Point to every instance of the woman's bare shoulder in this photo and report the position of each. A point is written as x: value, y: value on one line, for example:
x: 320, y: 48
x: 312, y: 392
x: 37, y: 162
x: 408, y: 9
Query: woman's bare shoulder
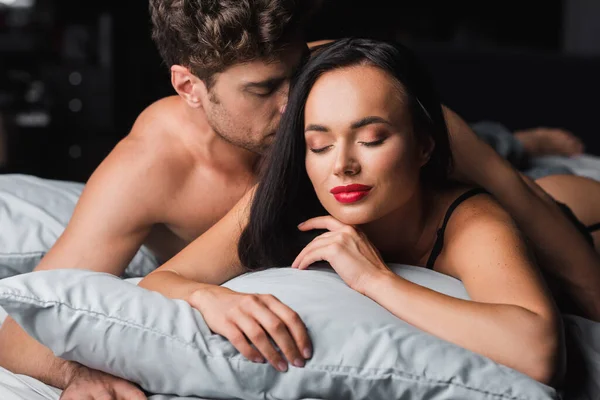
x: 477, y: 225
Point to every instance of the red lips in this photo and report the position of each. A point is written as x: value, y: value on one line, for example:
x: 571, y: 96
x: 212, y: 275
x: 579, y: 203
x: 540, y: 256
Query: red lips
x: 350, y: 188
x: 350, y: 193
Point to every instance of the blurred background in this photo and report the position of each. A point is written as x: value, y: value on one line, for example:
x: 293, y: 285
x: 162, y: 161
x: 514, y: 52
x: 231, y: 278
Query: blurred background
x: 75, y: 74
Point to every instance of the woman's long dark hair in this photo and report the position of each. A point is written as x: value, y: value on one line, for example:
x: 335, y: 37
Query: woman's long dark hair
x: 285, y: 196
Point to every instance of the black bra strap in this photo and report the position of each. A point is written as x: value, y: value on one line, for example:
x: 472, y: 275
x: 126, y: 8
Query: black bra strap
x: 593, y: 228
x: 439, y: 242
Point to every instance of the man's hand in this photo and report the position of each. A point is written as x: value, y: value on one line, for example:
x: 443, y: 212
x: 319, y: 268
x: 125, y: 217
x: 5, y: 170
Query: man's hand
x: 251, y: 321
x: 90, y: 384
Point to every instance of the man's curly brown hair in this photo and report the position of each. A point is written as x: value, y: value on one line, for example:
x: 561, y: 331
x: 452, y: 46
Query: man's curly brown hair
x: 208, y: 36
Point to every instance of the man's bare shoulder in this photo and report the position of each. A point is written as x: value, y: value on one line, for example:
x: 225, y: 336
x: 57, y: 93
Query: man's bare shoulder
x: 151, y: 161
x: 150, y: 156
x: 159, y: 117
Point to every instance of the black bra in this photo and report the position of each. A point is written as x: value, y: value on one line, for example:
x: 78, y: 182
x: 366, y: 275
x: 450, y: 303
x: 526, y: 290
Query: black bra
x: 439, y: 241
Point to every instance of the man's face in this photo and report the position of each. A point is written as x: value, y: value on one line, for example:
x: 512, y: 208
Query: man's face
x: 245, y: 102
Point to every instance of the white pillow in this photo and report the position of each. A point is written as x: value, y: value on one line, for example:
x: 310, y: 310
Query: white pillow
x: 360, y: 349
x: 33, y: 214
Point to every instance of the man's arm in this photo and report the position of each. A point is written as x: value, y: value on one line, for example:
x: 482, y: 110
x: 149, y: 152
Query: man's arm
x: 113, y: 216
x: 561, y: 249
x: 111, y: 219
x: 317, y: 43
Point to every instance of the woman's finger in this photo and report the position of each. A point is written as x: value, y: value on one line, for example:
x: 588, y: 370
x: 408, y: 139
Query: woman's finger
x: 255, y: 333
x: 324, y: 222
x: 316, y: 254
x: 294, y: 323
x: 239, y: 340
x: 317, y: 242
x: 284, y: 324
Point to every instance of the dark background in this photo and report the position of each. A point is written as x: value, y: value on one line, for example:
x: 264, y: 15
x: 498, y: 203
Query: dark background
x: 75, y: 74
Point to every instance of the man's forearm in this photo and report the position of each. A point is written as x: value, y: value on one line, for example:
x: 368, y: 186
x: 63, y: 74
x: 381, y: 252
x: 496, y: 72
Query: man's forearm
x: 560, y: 247
x: 21, y: 354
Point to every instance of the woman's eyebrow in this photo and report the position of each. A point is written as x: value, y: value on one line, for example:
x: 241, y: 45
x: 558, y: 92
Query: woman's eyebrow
x: 315, y: 127
x: 355, y: 125
x: 368, y: 121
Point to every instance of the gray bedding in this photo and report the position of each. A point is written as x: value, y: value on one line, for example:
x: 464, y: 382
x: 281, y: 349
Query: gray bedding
x: 20, y: 387
x: 583, y: 336
x: 583, y: 370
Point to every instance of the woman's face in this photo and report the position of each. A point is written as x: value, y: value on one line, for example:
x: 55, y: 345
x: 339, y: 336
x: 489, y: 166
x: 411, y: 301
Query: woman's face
x: 361, y: 154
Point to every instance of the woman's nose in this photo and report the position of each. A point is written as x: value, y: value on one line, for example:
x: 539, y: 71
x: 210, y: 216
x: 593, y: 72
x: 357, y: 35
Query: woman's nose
x: 346, y: 164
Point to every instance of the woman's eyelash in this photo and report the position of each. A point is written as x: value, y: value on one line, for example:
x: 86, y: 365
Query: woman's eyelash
x: 320, y: 150
x: 367, y: 144
x: 374, y: 143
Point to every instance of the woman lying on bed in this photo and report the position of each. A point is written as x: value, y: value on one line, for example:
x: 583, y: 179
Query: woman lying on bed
x: 358, y: 177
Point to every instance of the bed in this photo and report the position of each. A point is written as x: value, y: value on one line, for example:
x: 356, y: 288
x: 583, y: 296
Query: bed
x: 583, y: 336
x: 21, y: 387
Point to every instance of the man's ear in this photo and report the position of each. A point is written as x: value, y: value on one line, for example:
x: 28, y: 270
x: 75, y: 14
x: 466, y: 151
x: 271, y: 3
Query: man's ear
x: 188, y: 86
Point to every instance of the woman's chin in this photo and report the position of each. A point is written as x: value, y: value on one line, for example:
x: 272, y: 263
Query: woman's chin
x: 353, y: 217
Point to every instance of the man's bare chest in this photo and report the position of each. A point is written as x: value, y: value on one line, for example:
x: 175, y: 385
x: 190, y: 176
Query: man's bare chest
x: 192, y: 211
x: 201, y: 209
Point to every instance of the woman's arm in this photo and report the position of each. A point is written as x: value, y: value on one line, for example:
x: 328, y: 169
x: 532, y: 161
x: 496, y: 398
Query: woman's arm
x: 511, y: 318
x: 560, y: 248
x: 212, y: 259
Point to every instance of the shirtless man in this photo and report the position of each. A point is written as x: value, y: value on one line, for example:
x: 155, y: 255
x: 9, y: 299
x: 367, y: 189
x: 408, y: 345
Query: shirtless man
x: 186, y: 163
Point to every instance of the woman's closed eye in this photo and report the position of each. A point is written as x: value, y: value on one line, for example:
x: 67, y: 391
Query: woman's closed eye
x: 373, y: 143
x: 319, y: 149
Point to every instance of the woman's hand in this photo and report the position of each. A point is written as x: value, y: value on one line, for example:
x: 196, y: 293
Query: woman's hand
x: 251, y: 321
x: 346, y: 249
